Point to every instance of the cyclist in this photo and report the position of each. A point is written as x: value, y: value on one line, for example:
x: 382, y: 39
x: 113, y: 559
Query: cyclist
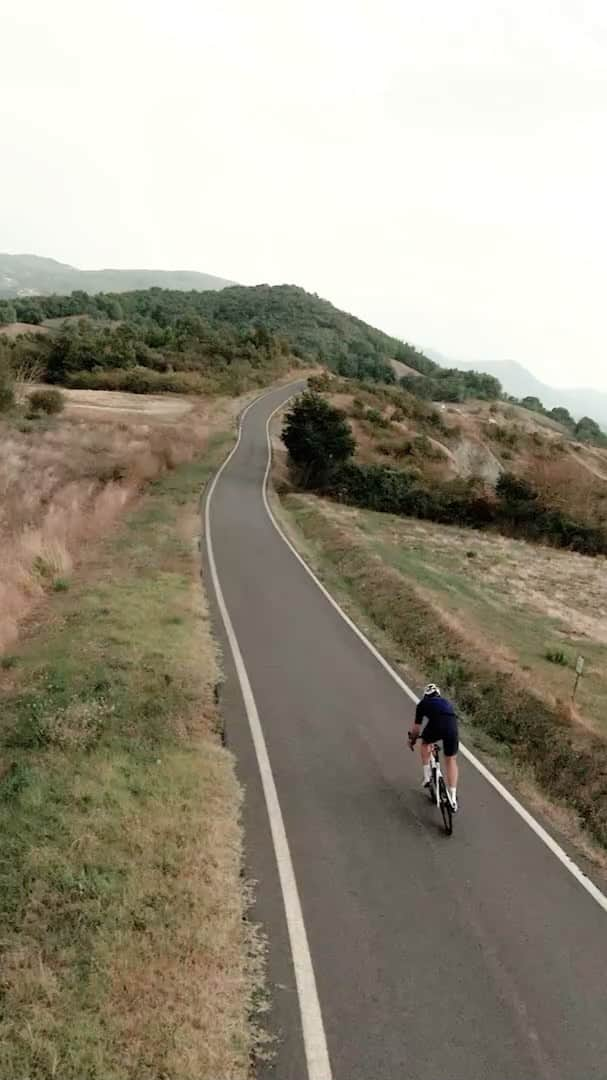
x: 436, y: 721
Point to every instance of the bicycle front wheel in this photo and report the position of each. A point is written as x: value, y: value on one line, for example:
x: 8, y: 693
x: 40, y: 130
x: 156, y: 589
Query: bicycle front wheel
x: 445, y: 808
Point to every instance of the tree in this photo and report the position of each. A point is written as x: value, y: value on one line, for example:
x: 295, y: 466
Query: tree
x: 587, y: 430
x: 30, y: 313
x: 451, y: 384
x: 562, y: 416
x: 514, y: 489
x: 318, y: 439
x: 8, y: 313
x: 532, y: 403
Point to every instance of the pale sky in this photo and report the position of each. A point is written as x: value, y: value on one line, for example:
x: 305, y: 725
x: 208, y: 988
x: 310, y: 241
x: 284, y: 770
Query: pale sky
x: 438, y: 167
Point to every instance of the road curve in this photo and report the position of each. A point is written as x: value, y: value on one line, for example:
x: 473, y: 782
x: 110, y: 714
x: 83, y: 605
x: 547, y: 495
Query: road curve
x: 474, y: 958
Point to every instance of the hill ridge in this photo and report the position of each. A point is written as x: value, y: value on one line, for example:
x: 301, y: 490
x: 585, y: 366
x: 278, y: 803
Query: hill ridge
x: 24, y: 274
x: 516, y: 379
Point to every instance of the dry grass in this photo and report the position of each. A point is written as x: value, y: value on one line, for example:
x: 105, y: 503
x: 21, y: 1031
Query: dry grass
x: 510, y: 601
x: 573, y: 482
x: 482, y: 439
x: 65, y: 482
x: 126, y: 953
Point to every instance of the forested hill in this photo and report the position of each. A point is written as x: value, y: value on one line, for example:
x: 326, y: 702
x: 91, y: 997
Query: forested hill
x: 314, y: 328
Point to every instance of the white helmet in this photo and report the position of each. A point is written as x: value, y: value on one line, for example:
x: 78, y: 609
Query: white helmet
x: 432, y: 690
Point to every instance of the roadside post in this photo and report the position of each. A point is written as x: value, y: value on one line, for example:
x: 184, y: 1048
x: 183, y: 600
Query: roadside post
x: 579, y: 671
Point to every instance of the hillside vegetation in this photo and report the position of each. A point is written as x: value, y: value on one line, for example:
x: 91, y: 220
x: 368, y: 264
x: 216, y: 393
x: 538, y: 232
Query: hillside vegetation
x: 482, y: 465
x: 217, y: 341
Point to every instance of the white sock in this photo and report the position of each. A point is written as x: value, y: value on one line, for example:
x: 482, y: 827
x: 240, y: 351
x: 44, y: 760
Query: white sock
x: 427, y: 772
x: 453, y: 794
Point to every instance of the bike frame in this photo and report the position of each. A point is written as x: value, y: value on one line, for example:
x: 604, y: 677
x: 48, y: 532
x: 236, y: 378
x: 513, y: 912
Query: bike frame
x: 436, y: 775
x: 438, y: 791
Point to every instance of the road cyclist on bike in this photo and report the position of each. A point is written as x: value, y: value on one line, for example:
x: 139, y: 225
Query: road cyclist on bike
x: 436, y: 721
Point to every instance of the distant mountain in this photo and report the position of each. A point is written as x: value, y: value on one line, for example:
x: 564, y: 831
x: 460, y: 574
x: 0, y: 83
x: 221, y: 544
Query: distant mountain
x: 516, y: 380
x: 32, y: 275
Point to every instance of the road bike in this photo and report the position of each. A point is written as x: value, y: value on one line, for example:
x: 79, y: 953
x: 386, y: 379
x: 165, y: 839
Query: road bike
x: 437, y: 788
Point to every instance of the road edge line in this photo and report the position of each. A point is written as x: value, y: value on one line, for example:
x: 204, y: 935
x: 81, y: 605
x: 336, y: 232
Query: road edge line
x: 314, y: 1038
x: 512, y: 801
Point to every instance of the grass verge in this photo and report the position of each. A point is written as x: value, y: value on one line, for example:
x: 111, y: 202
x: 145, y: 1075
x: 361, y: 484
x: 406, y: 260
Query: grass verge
x: 568, y: 763
x: 126, y: 953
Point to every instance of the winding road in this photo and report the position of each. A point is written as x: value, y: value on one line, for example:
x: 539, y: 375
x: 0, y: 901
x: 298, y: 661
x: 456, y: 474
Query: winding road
x: 395, y: 953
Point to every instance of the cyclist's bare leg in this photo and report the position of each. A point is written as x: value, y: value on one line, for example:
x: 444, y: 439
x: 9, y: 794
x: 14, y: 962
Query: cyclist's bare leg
x: 451, y: 771
x: 426, y: 752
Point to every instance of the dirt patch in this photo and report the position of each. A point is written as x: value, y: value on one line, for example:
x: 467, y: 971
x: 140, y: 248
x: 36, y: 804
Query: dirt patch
x: 112, y: 401
x: 403, y: 370
x: 473, y: 458
x: 13, y: 330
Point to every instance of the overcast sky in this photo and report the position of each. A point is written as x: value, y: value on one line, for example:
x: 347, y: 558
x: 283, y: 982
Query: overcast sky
x: 437, y: 167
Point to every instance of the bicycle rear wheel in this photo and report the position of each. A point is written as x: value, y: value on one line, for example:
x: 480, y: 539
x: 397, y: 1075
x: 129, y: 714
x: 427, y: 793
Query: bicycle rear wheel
x: 445, y: 808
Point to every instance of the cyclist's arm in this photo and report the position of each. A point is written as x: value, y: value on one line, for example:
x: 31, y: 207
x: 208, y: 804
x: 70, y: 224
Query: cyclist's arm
x: 419, y: 719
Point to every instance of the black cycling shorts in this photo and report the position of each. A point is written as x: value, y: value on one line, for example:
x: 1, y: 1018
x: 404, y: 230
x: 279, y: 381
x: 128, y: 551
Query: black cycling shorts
x: 442, y: 729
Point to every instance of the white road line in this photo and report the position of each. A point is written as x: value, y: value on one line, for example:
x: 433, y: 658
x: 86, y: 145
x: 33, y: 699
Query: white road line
x: 315, y: 1043
x: 528, y: 818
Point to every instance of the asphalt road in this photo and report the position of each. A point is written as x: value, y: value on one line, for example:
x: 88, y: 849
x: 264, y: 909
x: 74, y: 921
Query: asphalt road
x: 472, y: 958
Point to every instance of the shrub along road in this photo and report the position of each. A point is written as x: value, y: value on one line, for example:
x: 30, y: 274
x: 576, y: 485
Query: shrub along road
x: 475, y: 957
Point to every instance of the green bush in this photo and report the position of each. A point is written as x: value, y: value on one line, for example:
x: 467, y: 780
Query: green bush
x: 7, y: 397
x: 7, y: 390
x: 319, y: 383
x: 516, y: 509
x: 507, y: 436
x: 139, y: 381
x: 556, y: 656
x: 374, y: 417
x: 49, y: 401
x: 451, y: 384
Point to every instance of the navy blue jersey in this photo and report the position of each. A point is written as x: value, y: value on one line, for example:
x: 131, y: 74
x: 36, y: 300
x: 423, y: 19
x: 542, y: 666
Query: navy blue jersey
x: 433, y: 708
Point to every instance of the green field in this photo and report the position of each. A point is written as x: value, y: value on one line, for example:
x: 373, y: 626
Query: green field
x: 517, y: 604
